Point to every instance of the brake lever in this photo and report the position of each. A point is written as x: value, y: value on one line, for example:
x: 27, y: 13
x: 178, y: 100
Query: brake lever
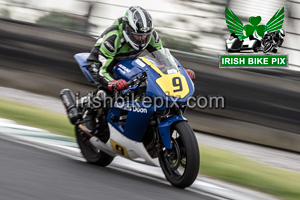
x: 129, y: 89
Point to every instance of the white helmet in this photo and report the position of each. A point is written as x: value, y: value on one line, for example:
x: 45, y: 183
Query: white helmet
x: 137, y: 27
x: 281, y: 33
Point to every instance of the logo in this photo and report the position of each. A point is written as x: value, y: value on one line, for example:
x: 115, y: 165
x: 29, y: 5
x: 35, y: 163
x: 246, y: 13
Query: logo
x: 263, y: 40
x: 140, y: 63
x: 123, y: 69
x: 129, y: 107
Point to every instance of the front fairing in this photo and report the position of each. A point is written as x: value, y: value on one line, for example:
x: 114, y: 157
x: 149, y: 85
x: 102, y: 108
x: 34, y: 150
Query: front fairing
x: 162, y: 86
x: 174, y: 86
x: 171, y: 84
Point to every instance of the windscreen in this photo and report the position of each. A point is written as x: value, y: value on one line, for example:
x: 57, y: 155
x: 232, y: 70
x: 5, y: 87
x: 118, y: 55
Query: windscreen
x: 163, y: 60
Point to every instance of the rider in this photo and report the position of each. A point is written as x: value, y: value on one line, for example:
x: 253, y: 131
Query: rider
x: 274, y: 38
x: 127, y: 38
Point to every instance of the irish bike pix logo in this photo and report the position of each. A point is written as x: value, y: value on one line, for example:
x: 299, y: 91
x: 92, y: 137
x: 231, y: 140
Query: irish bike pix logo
x: 254, y: 45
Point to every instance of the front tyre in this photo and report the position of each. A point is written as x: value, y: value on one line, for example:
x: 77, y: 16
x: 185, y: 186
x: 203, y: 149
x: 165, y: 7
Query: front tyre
x: 92, y: 154
x: 181, y: 163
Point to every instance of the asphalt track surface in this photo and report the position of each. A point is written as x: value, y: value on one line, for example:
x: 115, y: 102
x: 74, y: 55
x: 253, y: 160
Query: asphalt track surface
x: 28, y: 173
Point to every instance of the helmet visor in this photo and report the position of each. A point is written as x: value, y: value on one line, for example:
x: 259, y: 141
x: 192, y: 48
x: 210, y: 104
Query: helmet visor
x: 140, y: 39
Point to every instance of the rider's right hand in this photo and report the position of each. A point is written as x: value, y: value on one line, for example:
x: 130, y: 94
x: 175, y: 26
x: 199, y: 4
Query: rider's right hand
x: 117, y: 84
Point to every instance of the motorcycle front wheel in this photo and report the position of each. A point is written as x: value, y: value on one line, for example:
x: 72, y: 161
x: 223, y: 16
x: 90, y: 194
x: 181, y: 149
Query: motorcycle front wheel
x: 92, y: 154
x: 181, y: 164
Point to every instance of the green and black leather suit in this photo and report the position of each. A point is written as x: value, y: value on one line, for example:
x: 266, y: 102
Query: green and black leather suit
x: 111, y: 48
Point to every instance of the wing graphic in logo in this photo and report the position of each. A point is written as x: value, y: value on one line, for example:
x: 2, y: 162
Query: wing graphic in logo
x: 234, y: 24
x: 276, y: 22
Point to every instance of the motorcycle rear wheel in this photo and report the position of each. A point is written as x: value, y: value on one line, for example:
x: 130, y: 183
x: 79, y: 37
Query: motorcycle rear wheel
x: 92, y: 154
x: 181, y: 164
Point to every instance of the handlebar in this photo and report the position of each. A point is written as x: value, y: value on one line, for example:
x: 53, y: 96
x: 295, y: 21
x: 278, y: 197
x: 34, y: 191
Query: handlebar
x: 136, y: 81
x: 130, y: 82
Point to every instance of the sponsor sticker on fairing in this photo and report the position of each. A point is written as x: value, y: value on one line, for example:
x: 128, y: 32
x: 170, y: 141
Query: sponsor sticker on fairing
x: 140, y: 63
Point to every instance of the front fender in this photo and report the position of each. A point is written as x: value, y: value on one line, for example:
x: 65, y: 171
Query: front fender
x: 164, y: 129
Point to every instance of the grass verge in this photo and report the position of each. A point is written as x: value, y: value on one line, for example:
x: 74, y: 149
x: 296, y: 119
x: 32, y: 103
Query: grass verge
x: 216, y: 163
x: 239, y: 170
x: 36, y: 117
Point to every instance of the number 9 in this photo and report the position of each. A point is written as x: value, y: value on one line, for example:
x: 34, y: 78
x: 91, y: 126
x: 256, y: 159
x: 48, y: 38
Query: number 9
x: 177, y: 83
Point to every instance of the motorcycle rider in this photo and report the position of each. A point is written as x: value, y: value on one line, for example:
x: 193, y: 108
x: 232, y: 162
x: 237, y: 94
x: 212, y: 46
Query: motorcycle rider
x: 127, y: 38
x: 272, y: 40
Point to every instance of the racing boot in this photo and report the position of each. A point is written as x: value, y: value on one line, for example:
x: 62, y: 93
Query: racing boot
x: 89, y: 122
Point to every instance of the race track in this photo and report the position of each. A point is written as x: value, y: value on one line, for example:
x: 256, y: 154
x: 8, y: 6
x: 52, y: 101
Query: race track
x: 28, y: 173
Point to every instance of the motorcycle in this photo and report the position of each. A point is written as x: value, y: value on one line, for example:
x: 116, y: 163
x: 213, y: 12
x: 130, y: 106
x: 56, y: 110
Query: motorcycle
x: 141, y: 130
x: 271, y: 41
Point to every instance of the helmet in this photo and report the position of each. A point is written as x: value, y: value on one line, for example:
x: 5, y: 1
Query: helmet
x: 281, y: 33
x: 137, y: 27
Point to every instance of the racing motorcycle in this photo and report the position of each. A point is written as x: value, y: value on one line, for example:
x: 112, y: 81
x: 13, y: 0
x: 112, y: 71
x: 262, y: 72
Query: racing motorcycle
x: 141, y: 130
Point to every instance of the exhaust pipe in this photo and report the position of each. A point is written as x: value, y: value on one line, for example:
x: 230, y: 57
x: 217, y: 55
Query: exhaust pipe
x: 68, y: 100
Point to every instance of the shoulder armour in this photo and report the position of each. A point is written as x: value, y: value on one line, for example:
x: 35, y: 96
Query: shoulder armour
x: 109, y: 43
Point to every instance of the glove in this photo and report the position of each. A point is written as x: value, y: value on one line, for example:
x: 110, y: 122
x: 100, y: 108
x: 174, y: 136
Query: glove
x: 191, y: 73
x: 118, y: 85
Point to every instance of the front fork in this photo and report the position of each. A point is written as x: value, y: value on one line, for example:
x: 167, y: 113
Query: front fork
x: 164, y: 129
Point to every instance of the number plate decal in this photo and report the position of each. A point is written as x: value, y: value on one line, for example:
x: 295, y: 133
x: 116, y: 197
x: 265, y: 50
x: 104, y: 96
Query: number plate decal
x: 174, y: 85
x: 119, y: 149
